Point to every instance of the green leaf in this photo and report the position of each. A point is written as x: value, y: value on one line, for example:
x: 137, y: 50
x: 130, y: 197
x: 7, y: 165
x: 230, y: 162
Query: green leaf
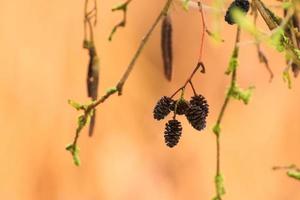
x: 287, y: 78
x: 121, y: 6
x: 90, y: 115
x: 111, y: 90
x: 233, y: 62
x: 279, y: 40
x: 81, y: 122
x: 294, y: 174
x: 75, y: 105
x: 241, y: 94
x: 220, y: 189
x: 286, y: 5
x: 74, y: 150
x: 69, y: 147
x: 217, y: 129
x: 76, y: 158
x: 185, y: 5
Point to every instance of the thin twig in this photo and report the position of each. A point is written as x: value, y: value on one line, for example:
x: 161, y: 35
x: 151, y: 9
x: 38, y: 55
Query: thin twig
x: 203, y: 31
x: 88, y: 15
x: 122, y: 7
x: 200, y: 63
x: 261, y: 56
x: 286, y: 167
x: 193, y: 88
x: 189, y: 79
x: 205, y: 7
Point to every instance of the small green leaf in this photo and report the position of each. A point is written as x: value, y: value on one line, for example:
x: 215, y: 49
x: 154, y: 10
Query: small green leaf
x: 74, y: 150
x: 111, y: 90
x: 76, y: 158
x: 220, y: 189
x: 82, y: 120
x: 294, y: 174
x: 185, y: 5
x: 287, y: 78
x: 220, y: 184
x: 217, y: 129
x: 75, y: 105
x: 121, y: 6
x: 69, y: 147
x: 279, y: 40
x: 241, y: 94
x: 90, y: 115
x: 286, y: 5
x: 233, y: 62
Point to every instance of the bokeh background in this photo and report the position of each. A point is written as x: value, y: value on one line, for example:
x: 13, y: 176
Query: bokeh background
x: 43, y: 65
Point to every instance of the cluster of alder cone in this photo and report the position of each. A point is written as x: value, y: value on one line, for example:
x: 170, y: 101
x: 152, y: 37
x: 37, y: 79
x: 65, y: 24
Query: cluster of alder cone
x: 195, y: 110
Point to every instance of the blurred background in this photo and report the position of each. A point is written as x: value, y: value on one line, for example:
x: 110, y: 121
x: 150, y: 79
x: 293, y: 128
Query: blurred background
x: 43, y: 65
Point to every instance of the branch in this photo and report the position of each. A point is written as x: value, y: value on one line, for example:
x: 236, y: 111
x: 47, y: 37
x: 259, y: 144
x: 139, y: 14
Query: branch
x: 90, y: 108
x: 220, y: 191
x: 292, y: 171
x: 194, y: 5
x: 122, y: 7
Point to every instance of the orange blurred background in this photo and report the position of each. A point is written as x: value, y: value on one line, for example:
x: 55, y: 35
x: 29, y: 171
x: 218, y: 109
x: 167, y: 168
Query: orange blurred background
x: 43, y: 65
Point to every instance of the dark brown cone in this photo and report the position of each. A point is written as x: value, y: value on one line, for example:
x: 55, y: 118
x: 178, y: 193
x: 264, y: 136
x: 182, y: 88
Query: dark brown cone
x: 182, y: 106
x: 172, y: 132
x: 162, y: 108
x: 197, y: 117
x: 200, y: 100
x: 197, y: 112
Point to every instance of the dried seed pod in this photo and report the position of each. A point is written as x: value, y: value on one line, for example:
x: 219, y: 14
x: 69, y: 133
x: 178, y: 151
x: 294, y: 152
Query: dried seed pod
x: 182, y: 106
x: 166, y: 46
x: 242, y: 5
x: 162, y: 108
x: 197, y: 112
x: 172, y: 132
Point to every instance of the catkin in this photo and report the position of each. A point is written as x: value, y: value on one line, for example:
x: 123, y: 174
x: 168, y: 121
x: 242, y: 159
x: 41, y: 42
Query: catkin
x: 93, y: 82
x: 166, y: 46
x: 93, y: 74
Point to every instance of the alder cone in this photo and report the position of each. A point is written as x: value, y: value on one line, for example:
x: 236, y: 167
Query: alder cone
x: 182, y: 106
x: 197, y: 117
x: 197, y: 113
x: 173, y: 132
x: 162, y: 108
x: 200, y: 100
